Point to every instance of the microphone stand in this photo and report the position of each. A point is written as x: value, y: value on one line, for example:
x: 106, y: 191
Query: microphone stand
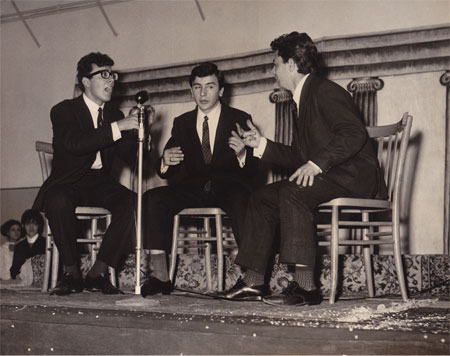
x: 141, y: 97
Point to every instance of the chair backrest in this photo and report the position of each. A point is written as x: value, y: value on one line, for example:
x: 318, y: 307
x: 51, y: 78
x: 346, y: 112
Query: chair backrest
x: 391, y: 143
x: 45, y: 152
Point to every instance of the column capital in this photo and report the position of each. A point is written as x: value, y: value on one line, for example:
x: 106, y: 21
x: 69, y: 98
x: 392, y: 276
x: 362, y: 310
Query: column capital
x: 280, y: 95
x: 445, y: 79
x: 365, y: 84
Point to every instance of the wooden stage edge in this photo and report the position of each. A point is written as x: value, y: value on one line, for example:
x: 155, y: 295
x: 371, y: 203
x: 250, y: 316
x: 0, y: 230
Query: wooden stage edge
x: 64, y: 328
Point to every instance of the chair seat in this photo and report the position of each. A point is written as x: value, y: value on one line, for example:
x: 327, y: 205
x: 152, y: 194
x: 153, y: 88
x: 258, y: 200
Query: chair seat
x: 202, y: 211
x: 92, y: 211
x: 358, y: 203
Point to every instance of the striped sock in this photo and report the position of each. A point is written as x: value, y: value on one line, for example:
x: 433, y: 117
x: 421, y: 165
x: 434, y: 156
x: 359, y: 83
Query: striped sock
x: 159, y: 264
x: 252, y: 278
x: 304, y: 276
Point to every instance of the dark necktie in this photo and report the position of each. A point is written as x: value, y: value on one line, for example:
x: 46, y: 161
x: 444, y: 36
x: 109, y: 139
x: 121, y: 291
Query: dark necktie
x: 206, y: 146
x: 100, y: 117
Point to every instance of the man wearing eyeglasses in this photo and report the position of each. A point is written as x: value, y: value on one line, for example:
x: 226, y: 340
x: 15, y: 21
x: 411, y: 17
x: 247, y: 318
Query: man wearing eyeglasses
x: 88, y: 133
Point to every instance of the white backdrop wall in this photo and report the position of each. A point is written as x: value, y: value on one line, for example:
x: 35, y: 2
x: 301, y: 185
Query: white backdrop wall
x: 155, y: 33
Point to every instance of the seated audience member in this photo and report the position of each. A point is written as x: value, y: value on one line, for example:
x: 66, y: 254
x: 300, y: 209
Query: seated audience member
x: 32, y: 245
x: 12, y: 234
x: 209, y: 168
x: 89, y: 134
x: 330, y: 156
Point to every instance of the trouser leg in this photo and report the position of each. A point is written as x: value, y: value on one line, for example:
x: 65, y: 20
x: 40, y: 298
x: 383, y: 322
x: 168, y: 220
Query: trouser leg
x: 120, y: 236
x: 159, y: 207
x: 234, y: 202
x: 60, y: 202
x: 262, y: 217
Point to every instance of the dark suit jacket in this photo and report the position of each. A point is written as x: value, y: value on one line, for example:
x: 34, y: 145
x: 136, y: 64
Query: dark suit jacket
x: 330, y: 133
x: 224, y: 167
x: 76, y: 142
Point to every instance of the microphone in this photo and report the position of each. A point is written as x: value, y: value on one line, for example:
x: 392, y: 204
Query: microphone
x: 141, y: 97
x: 146, y: 115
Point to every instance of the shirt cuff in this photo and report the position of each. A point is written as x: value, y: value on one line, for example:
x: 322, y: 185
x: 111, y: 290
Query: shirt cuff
x: 164, y: 168
x: 242, y: 160
x: 315, y: 165
x: 259, y: 151
x: 115, y: 131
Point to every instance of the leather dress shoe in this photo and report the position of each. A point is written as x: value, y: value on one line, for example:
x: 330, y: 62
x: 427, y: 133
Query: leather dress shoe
x: 68, y: 285
x: 293, y: 294
x: 242, y: 291
x: 155, y: 286
x: 101, y: 283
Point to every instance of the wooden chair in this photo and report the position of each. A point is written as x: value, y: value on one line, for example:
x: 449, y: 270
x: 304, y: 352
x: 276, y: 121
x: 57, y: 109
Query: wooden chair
x: 201, y: 239
x: 94, y: 238
x: 378, y: 220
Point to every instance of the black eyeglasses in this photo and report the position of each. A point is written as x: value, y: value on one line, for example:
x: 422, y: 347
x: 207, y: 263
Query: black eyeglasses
x: 106, y: 74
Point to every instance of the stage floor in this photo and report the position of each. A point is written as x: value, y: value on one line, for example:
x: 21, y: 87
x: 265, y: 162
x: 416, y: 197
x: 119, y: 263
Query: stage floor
x: 183, y: 323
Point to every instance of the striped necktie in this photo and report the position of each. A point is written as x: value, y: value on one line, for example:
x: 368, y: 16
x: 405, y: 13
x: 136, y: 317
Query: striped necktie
x: 206, y: 146
x: 100, y: 117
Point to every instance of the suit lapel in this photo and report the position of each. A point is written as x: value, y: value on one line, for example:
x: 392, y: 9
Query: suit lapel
x: 83, y: 114
x: 222, y: 132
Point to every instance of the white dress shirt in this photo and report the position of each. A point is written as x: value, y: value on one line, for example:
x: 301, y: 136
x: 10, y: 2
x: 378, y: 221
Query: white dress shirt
x: 93, y: 109
x: 213, y: 122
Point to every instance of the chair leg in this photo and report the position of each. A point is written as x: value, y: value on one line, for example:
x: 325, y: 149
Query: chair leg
x: 112, y: 271
x: 398, y: 255
x: 207, y: 229
x: 219, y: 233
x: 93, y: 247
x: 48, y: 257
x: 112, y: 276
x: 173, y: 254
x: 55, y: 265
x: 208, y: 266
x: 334, y: 252
x: 368, y: 259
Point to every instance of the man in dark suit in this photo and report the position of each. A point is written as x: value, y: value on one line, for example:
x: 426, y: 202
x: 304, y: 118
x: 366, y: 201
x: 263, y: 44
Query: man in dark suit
x: 205, y: 167
x: 88, y: 133
x: 330, y: 157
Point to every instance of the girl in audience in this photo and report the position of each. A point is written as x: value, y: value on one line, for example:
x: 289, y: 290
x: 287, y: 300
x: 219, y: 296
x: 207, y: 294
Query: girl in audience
x: 11, y: 234
x: 32, y: 245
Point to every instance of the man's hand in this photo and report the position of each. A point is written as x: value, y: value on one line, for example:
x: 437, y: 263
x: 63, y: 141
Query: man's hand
x: 129, y: 123
x: 252, y: 137
x: 305, y: 174
x: 237, y: 144
x: 173, y: 156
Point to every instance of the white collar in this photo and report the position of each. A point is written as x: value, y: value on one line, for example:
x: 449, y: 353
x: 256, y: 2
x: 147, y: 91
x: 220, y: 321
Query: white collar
x: 298, y: 90
x: 93, y: 106
x: 213, y: 115
x: 31, y: 240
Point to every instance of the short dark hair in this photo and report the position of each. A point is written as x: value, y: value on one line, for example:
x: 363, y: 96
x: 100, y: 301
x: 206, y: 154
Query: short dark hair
x: 32, y: 215
x: 84, y: 66
x: 7, y: 225
x: 205, y: 69
x: 300, y: 48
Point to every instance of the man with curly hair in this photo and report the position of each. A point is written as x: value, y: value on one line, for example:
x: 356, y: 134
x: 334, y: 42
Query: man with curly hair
x: 330, y: 156
x: 88, y: 134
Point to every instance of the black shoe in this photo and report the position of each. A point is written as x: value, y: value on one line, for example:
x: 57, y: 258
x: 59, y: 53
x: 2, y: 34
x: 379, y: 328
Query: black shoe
x: 155, y: 286
x: 100, y: 283
x: 242, y: 291
x: 68, y: 285
x: 293, y: 294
